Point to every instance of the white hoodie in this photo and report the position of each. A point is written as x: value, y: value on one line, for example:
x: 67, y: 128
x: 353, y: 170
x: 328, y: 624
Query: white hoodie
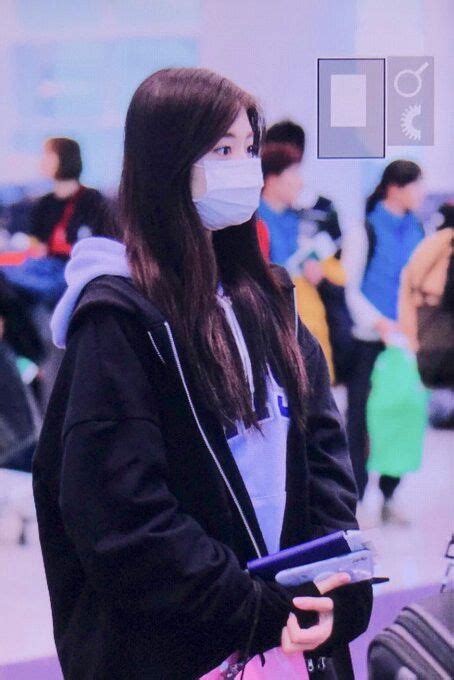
x: 91, y: 257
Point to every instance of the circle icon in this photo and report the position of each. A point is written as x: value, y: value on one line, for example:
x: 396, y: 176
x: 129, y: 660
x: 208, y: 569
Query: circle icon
x: 406, y: 74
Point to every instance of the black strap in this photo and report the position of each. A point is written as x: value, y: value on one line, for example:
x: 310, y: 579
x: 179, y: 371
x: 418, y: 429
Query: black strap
x: 258, y: 590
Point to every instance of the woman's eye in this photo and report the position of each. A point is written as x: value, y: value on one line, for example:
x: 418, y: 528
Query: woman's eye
x: 223, y: 150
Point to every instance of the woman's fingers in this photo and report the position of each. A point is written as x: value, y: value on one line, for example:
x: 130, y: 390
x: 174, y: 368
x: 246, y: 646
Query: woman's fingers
x: 288, y: 647
x: 312, y: 636
x: 316, y: 604
x: 332, y: 582
x: 296, y: 639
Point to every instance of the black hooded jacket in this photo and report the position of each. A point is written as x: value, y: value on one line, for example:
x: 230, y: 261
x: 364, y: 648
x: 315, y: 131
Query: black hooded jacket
x: 145, y: 522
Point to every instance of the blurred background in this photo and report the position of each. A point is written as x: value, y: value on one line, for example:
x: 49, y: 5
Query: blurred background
x: 68, y: 70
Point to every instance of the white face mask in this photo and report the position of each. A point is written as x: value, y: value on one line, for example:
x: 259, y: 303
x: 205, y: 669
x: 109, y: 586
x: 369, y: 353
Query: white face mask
x: 232, y: 192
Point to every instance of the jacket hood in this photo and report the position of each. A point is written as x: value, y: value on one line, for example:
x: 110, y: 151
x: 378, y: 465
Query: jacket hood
x: 90, y: 258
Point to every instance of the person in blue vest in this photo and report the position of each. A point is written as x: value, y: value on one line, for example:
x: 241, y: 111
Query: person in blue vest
x: 374, y: 257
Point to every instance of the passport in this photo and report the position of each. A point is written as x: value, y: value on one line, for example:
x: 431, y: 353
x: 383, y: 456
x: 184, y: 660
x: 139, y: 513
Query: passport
x: 324, y: 548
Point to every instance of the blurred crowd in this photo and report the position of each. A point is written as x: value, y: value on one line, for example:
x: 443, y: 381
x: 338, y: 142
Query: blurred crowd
x: 35, y: 243
x: 379, y: 297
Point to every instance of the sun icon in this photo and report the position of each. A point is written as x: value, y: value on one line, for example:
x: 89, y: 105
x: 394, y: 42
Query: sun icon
x: 406, y: 122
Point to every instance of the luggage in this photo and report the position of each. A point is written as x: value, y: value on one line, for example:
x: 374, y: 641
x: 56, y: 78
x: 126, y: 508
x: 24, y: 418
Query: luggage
x: 418, y: 645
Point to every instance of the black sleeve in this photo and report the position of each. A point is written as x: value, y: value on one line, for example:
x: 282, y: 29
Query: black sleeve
x: 340, y: 327
x: 137, y: 547
x: 337, y: 314
x: 332, y: 488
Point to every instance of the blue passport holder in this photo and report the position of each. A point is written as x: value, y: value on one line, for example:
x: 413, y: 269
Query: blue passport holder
x: 324, y: 548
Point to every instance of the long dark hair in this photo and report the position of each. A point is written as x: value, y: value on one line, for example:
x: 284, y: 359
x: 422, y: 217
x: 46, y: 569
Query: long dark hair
x: 175, y: 117
x: 399, y: 173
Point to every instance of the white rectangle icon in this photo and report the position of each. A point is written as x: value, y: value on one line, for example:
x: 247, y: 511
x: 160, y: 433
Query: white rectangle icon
x: 348, y: 100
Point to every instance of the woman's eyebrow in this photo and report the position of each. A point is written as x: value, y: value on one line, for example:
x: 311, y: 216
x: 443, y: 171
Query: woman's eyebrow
x: 231, y: 135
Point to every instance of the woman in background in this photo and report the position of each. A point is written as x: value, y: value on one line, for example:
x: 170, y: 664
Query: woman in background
x: 59, y: 219
x: 71, y: 211
x: 374, y: 257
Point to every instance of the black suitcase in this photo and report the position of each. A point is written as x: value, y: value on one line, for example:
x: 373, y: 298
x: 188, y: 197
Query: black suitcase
x: 418, y: 645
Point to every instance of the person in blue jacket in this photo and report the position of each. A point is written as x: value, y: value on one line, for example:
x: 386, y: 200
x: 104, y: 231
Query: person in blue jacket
x: 374, y: 257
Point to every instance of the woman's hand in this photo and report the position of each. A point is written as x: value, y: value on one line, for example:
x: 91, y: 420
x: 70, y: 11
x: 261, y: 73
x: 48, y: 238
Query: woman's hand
x: 313, y: 272
x: 385, y: 328
x: 297, y: 639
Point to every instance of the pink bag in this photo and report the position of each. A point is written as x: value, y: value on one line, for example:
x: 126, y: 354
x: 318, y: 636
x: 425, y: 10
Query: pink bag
x: 277, y: 666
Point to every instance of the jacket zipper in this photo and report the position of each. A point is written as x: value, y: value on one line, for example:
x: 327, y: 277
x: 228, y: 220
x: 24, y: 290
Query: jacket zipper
x: 207, y: 443
x: 156, y: 348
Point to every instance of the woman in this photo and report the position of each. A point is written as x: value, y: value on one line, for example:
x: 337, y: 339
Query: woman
x: 181, y: 405
x: 59, y: 219
x: 71, y: 211
x: 374, y: 258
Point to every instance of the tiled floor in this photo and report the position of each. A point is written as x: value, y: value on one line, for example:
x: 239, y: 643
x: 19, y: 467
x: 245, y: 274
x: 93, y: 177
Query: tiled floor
x: 411, y: 556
